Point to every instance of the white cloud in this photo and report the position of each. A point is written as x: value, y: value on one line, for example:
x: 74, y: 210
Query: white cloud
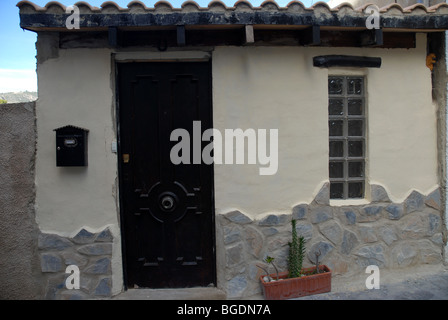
x: 12, y: 80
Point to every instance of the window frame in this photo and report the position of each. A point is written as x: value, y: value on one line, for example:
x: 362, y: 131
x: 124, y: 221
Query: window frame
x: 346, y: 139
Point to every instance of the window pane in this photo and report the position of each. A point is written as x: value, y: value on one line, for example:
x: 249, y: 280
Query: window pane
x: 336, y: 107
x: 335, y: 85
x: 355, y: 190
x: 336, y: 127
x: 356, y: 169
x: 354, y: 86
x: 355, y: 106
x: 336, y: 190
x: 336, y: 148
x: 336, y: 169
x: 355, y: 128
x: 355, y: 148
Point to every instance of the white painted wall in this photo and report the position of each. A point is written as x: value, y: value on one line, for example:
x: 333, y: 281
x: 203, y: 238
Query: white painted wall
x: 76, y: 89
x: 268, y: 87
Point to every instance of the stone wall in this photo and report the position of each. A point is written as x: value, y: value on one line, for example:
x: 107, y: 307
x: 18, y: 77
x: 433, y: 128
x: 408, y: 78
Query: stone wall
x: 90, y: 252
x: 19, y: 272
x: 383, y: 233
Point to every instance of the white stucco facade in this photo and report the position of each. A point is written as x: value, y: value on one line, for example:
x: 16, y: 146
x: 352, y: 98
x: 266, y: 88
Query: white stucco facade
x: 279, y: 88
x: 253, y: 87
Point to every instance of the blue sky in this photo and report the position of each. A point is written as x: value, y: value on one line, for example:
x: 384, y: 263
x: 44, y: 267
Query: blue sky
x: 17, y: 47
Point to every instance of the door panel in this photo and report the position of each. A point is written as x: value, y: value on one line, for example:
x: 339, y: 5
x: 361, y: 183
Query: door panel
x: 167, y: 209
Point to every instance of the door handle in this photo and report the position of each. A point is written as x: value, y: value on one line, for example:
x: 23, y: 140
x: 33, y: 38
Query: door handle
x: 125, y: 157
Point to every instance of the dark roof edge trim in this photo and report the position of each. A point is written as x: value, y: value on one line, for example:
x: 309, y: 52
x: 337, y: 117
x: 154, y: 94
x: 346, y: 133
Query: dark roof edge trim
x: 41, y: 21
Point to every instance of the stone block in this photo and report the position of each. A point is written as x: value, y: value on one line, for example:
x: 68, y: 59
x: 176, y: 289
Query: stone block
x: 99, y: 266
x: 437, y: 239
x: 48, y: 241
x: 269, y: 231
x: 88, y: 282
x: 404, y: 254
x: 237, y: 217
x: 434, y: 224
x: 413, y: 227
x: 378, y: 193
x: 349, y: 242
x: 304, y: 229
x: 274, y: 220
x: 433, y: 199
x: 234, y: 255
x: 323, y: 196
x: 84, y: 236
x: 350, y: 217
x: 395, y: 211
x: 337, y: 265
x: 370, y: 213
x: 236, y: 286
x: 72, y: 295
x: 320, y: 214
x: 388, y: 234
x: 55, y: 283
x: 429, y: 253
x: 367, y: 234
x: 74, y: 258
x: 104, y: 287
x: 332, y: 231
x: 96, y: 249
x: 300, y: 212
x: 371, y: 255
x: 105, y: 236
x: 231, y: 234
x: 51, y: 262
x: 254, y: 240
x: 322, y: 248
x: 414, y: 202
x: 277, y: 243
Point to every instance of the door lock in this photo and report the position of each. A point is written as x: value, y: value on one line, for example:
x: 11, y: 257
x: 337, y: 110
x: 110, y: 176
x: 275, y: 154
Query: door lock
x: 125, y: 157
x: 168, y: 201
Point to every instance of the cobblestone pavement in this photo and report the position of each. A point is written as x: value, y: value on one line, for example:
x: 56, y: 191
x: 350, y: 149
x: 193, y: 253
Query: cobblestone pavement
x: 428, y: 287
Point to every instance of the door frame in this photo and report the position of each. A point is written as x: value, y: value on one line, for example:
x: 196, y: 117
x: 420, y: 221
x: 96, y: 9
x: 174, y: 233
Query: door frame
x: 148, y: 57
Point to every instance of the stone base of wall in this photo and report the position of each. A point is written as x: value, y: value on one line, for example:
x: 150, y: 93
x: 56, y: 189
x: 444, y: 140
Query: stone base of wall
x: 90, y: 252
x: 389, y: 235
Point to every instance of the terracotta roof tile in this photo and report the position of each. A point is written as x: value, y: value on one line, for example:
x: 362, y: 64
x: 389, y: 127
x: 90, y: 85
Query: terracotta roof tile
x: 393, y: 15
x: 267, y: 4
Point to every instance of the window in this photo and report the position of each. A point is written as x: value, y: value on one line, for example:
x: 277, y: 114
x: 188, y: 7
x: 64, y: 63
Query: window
x: 346, y: 122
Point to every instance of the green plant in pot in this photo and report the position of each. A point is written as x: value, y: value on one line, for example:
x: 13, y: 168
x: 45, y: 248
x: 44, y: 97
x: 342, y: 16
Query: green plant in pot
x: 296, y: 281
x: 297, y: 253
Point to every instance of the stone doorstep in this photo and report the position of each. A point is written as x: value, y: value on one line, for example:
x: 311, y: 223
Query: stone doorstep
x: 172, y: 294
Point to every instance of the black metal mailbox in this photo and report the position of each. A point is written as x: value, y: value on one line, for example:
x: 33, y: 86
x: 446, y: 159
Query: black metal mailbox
x: 71, y: 146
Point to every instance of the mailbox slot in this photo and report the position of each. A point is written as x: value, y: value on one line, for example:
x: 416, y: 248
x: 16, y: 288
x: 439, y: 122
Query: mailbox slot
x: 71, y: 146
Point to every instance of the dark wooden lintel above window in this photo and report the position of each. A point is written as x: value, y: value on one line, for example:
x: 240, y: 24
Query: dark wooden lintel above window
x: 346, y: 61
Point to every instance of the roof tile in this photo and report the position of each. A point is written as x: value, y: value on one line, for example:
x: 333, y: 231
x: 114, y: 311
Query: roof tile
x: 266, y: 5
x: 393, y: 15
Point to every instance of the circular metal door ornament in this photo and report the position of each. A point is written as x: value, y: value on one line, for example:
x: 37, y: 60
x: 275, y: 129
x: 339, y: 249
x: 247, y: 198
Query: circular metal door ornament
x: 167, y: 201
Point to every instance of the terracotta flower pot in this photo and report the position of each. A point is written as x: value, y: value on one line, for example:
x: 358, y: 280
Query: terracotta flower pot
x: 288, y: 288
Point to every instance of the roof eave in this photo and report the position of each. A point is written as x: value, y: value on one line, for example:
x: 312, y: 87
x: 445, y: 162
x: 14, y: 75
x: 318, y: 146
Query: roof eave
x: 50, y: 21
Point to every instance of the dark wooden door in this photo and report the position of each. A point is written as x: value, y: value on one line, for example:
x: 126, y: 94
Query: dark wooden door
x: 167, y: 210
